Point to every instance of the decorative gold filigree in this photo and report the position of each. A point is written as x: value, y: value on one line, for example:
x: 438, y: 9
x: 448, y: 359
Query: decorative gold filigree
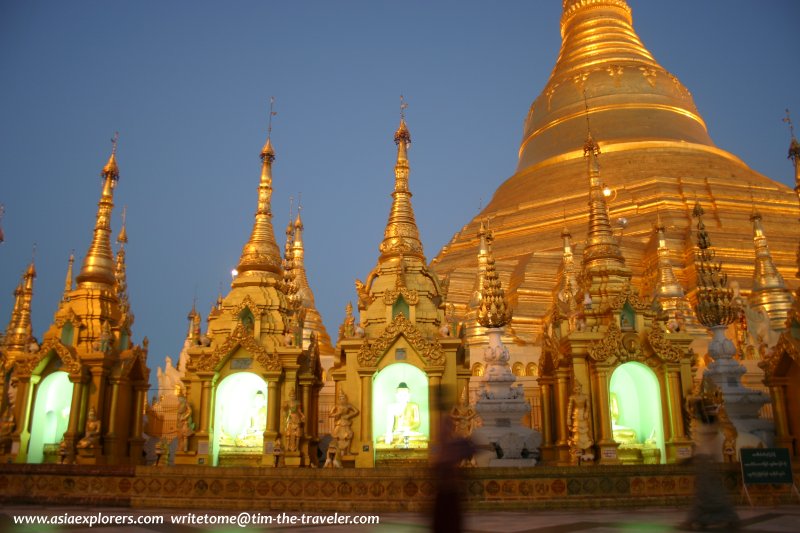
x: 626, y: 294
x: 239, y: 337
x: 661, y: 346
x: 69, y: 316
x: 67, y: 354
x: 715, y: 306
x: 248, y: 303
x: 649, y: 75
x: 615, y: 70
x: 430, y: 351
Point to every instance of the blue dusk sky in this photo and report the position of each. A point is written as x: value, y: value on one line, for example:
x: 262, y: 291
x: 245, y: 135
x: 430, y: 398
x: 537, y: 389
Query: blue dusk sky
x: 187, y: 85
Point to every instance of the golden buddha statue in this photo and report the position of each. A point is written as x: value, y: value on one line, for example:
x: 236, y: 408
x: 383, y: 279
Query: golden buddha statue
x: 622, y: 434
x: 402, y: 420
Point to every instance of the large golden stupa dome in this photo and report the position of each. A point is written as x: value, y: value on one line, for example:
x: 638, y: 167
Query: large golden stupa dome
x: 656, y: 159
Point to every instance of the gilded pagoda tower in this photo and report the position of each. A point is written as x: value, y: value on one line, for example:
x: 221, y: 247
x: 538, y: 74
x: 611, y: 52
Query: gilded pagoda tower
x: 658, y: 157
x: 80, y: 395
x: 251, y: 386
x: 613, y: 377
x: 402, y: 352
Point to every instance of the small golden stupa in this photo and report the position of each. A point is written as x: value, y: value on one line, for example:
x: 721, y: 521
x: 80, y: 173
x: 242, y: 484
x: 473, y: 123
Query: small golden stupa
x: 401, y: 354
x: 252, y: 381
x: 80, y: 395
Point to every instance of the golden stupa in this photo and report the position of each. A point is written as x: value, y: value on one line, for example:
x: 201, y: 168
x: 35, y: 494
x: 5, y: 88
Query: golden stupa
x: 658, y: 159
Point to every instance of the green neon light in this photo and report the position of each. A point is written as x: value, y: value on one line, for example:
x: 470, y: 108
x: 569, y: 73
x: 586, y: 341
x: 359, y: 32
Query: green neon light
x: 635, y: 403
x: 50, y: 414
x: 240, y: 414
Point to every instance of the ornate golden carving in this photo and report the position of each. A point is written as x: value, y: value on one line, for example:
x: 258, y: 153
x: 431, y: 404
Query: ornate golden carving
x: 649, y: 75
x: 69, y: 316
x: 430, y: 351
x: 26, y: 366
x: 248, y: 303
x: 615, y: 71
x: 616, y: 347
x: 715, y: 305
x: 661, y: 346
x: 240, y: 336
x: 627, y: 295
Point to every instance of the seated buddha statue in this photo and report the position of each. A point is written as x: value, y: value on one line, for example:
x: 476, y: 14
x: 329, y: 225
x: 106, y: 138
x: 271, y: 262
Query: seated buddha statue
x: 402, y: 420
x: 622, y: 434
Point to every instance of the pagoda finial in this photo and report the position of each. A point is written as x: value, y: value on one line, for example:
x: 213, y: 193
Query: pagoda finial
x: 122, y: 238
x: 401, y: 235
x: 98, y: 265
x: 194, y: 318
x: 567, y: 286
x: 493, y: 311
x: 298, y: 229
x: 267, y: 152
x: 260, y: 253
x: 714, y: 299
x: 19, y: 331
x: 2, y: 211
x: 121, y: 276
x: 289, y: 274
x: 766, y: 274
x: 68, y: 280
x: 667, y: 285
x: 601, y: 244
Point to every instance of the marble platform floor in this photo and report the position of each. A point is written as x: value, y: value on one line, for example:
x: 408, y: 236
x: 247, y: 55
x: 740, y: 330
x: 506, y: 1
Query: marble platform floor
x: 754, y: 519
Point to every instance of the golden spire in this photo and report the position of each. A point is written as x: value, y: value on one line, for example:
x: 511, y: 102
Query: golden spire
x: 401, y: 236
x: 289, y: 274
x: 714, y: 298
x: 298, y: 262
x: 493, y: 311
x: 260, y: 253
x: 313, y: 320
x: 769, y: 289
x: 120, y: 275
x: 191, y: 317
x: 568, y: 282
x: 68, y: 280
x: 601, y: 245
x: 98, y: 265
x: 766, y: 275
x: 2, y: 211
x: 19, y: 329
x: 484, y: 241
x: 667, y: 285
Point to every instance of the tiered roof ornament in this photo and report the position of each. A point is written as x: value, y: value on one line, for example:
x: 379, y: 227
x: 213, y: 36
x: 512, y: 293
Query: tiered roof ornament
x: 19, y: 331
x: 769, y: 288
x: 493, y: 311
x: 601, y: 244
x: 68, y: 280
x: 667, y: 285
x: 121, y: 278
x: 260, y: 254
x: 98, y: 265
x: 715, y: 305
x: 401, y: 236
